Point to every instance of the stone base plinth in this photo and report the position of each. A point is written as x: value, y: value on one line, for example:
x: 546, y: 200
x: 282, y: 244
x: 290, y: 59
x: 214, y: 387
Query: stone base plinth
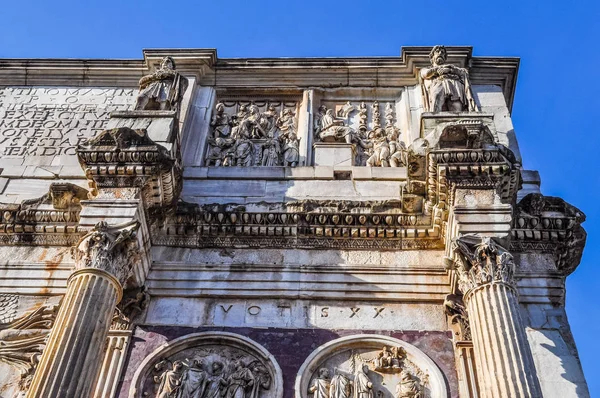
x: 334, y: 154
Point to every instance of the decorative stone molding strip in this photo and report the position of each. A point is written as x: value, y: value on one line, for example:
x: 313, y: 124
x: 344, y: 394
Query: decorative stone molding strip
x: 551, y: 225
x: 316, y: 228
x: 49, y: 220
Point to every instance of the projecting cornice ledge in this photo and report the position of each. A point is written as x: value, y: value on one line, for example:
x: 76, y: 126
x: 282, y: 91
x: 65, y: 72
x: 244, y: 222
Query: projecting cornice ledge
x: 204, y: 65
x: 549, y: 224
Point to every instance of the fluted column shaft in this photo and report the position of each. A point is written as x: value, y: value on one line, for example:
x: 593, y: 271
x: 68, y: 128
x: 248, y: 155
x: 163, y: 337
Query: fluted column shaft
x: 502, y: 354
x: 504, y: 361
x: 75, y: 347
x: 75, y: 350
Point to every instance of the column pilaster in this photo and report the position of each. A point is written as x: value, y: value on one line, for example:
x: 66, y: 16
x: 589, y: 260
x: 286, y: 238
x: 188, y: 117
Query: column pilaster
x: 504, y: 360
x: 75, y: 348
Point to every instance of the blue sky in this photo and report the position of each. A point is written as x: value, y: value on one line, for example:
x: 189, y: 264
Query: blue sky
x: 557, y: 98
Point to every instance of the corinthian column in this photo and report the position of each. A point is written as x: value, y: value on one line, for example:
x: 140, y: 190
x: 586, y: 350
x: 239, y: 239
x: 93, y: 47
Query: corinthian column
x: 74, y: 352
x: 504, y: 361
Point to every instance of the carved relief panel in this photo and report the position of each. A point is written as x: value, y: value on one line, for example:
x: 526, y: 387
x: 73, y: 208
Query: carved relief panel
x: 369, y: 366
x: 257, y: 132
x: 370, y: 125
x: 209, y: 365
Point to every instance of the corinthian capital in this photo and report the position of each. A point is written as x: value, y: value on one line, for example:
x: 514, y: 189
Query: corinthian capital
x: 481, y: 260
x: 109, y: 248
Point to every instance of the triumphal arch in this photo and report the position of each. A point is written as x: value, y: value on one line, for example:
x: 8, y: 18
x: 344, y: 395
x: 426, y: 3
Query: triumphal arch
x: 189, y: 226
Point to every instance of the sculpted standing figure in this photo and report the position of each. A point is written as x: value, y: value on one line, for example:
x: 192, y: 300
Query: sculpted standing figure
x: 194, y: 381
x: 363, y: 387
x: 163, y: 89
x: 238, y: 381
x: 447, y: 87
x: 170, y: 381
x: 341, y: 386
x: 320, y: 385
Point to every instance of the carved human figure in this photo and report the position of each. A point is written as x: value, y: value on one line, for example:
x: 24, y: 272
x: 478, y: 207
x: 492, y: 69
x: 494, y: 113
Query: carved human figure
x: 447, y: 87
x: 363, y: 387
x: 321, y: 384
x: 194, y: 381
x: 271, y: 150
x: 262, y: 379
x: 380, y: 149
x: 341, y: 386
x: 216, y: 383
x: 163, y: 89
x: 408, y: 387
x: 244, y: 150
x: 239, y: 381
x: 333, y: 129
x: 170, y: 381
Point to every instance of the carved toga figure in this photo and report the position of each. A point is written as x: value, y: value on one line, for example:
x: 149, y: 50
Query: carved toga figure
x: 447, y: 87
x: 163, y: 89
x: 363, y: 387
x: 320, y: 385
x: 238, y: 381
x: 341, y: 386
x: 170, y: 381
x: 194, y: 381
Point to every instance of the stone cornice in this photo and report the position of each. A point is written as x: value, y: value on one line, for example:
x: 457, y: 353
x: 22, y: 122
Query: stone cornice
x: 551, y: 225
x: 204, y: 64
x: 52, y: 219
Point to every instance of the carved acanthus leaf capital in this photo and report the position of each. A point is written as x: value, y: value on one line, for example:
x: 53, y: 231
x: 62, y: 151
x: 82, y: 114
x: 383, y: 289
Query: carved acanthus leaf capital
x: 109, y: 248
x: 481, y: 260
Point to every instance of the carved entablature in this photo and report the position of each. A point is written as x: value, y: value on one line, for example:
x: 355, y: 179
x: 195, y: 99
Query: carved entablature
x: 369, y: 366
x: 258, y: 132
x: 49, y: 220
x: 22, y: 340
x: 209, y: 365
x: 551, y: 225
x: 112, y: 249
x: 127, y: 158
x: 388, y: 225
x: 480, y: 261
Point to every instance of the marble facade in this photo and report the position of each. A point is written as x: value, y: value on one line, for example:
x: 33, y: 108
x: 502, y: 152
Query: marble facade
x: 188, y: 226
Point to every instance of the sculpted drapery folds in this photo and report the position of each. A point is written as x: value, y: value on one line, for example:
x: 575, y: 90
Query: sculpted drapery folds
x: 321, y: 385
x: 482, y: 261
x: 23, y: 341
x: 163, y: 89
x: 447, y: 87
x: 108, y: 248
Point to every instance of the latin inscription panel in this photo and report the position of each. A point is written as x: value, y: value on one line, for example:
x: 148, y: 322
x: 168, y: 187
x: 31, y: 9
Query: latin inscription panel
x: 43, y: 125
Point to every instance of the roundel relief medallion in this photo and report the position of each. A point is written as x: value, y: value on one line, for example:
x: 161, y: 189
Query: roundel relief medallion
x: 209, y: 365
x: 369, y: 366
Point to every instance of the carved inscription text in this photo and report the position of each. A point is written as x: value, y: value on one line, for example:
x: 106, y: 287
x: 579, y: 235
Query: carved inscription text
x: 48, y: 121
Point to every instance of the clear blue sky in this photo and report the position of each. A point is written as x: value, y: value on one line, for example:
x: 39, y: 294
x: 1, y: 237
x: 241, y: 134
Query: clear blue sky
x: 556, y: 104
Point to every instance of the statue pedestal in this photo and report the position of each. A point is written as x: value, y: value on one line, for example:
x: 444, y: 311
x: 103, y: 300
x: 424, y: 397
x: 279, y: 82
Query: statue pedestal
x: 334, y: 154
